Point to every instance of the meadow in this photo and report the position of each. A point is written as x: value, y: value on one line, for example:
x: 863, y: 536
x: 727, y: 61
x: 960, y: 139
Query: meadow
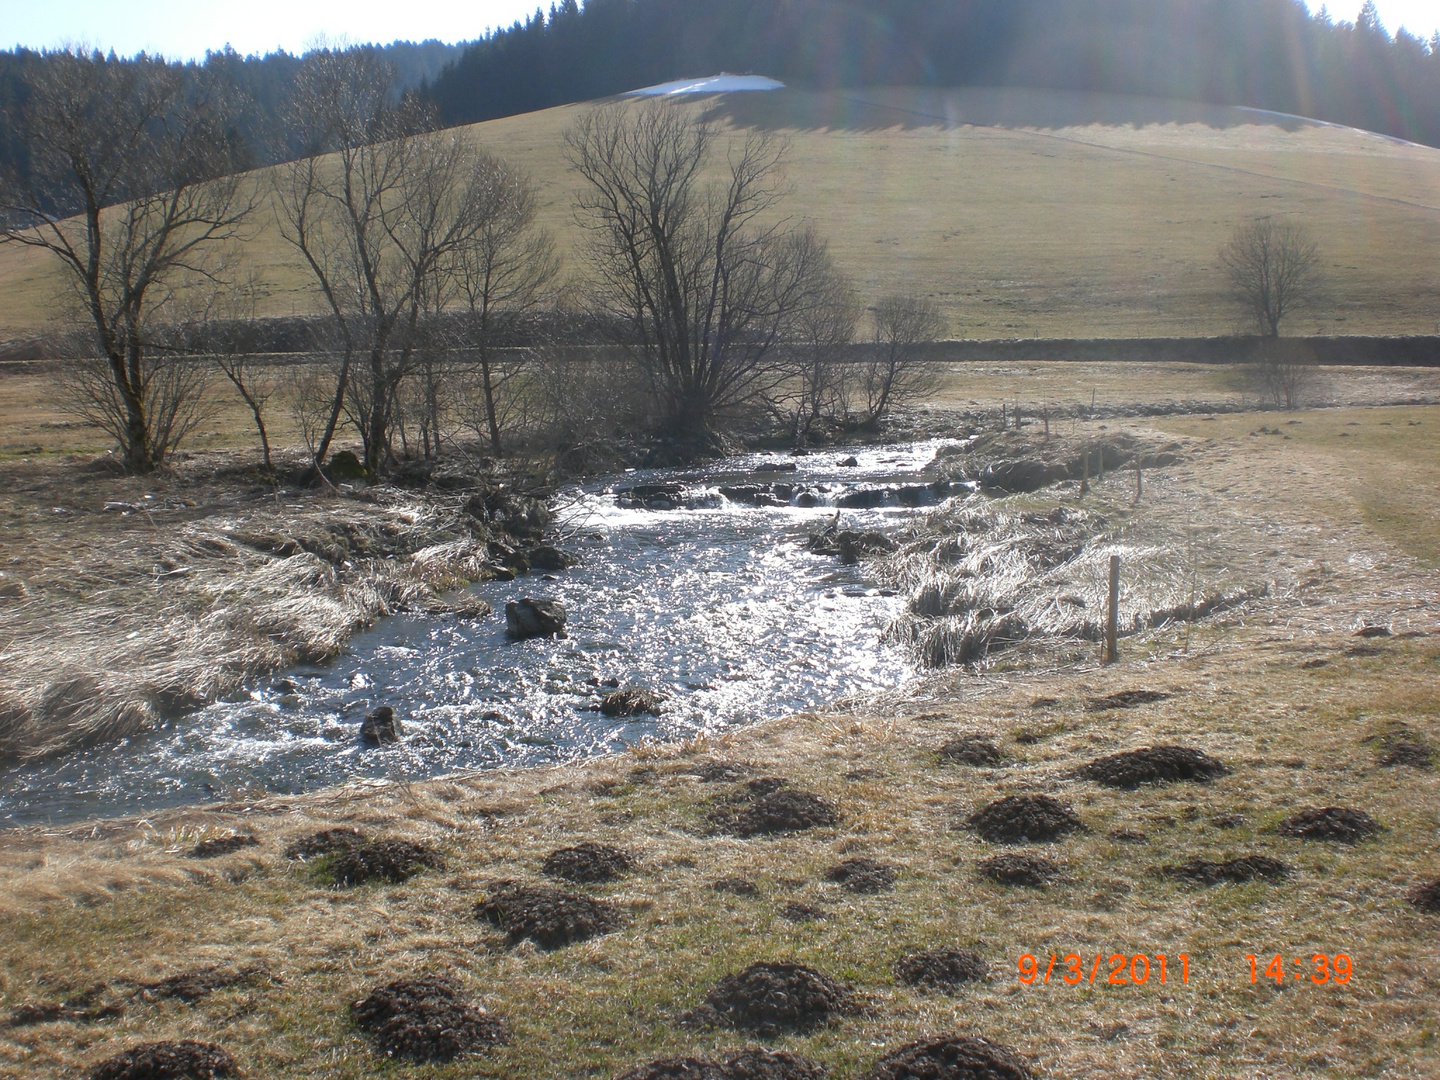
x: 1020, y: 213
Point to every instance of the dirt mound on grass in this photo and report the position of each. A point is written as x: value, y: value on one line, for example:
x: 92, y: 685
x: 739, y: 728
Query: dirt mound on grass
x: 685, y: 1068
x: 426, y: 1019
x: 726, y: 772
x: 755, y: 1063
x: 1417, y: 755
x: 750, y: 1064
x: 1032, y: 871
x: 943, y: 969
x: 1020, y: 818
x: 588, y: 863
x: 549, y: 917
x: 183, y: 1060
x: 735, y: 886
x: 324, y: 842
x: 862, y: 875
x: 768, y: 805
x: 1125, y: 699
x: 85, y: 1007
x: 1152, y: 765
x: 977, y: 750
x: 952, y: 1057
x: 384, y: 860
x: 222, y: 845
x: 1426, y: 896
x: 1245, y: 868
x: 1338, y: 823
x: 769, y: 998
x: 800, y: 913
x: 191, y: 986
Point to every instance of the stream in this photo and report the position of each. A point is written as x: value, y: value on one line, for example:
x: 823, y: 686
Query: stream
x: 696, y: 586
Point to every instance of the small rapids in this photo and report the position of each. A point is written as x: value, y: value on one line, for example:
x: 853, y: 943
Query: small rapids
x: 692, y: 584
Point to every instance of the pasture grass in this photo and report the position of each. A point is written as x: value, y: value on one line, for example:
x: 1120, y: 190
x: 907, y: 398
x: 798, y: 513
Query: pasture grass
x: 1020, y: 213
x: 1279, y: 689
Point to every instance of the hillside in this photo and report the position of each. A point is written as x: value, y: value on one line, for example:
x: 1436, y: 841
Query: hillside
x: 1023, y: 213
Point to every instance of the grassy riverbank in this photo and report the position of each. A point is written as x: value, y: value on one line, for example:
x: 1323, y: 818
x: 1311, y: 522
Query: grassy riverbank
x: 1335, y: 512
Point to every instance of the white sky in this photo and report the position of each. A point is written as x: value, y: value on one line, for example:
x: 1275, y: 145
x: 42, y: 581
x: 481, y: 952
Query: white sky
x: 186, y: 28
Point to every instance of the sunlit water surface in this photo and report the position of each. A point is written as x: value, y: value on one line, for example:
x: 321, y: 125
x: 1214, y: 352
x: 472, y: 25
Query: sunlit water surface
x: 716, y: 605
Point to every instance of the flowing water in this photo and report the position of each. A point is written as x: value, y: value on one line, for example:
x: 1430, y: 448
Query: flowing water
x: 685, y: 588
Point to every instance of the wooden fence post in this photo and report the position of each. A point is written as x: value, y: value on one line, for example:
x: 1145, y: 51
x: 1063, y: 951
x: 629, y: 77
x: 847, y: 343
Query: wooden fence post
x: 1112, y: 613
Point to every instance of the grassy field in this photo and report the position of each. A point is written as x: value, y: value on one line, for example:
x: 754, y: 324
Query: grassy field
x: 1332, y: 508
x: 1022, y: 213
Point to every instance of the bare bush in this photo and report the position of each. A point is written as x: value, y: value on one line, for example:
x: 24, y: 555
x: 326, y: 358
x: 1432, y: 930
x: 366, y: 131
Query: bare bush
x: 899, y: 367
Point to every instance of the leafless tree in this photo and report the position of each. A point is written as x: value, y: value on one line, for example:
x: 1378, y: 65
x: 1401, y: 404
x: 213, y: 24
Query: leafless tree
x: 134, y: 190
x: 702, y: 275
x: 899, y: 367
x: 1274, y: 267
x: 503, y: 273
x: 382, y: 222
x: 822, y: 326
x: 227, y: 337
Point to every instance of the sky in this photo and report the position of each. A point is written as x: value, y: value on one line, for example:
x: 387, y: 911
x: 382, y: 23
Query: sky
x: 183, y: 29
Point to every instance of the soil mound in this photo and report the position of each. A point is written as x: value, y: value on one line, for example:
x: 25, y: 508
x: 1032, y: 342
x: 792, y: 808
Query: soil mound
x: 1414, y: 754
x: 943, y: 969
x: 384, y: 860
x: 426, y: 1019
x: 686, y: 1068
x: 183, y: 1060
x: 768, y: 805
x: 862, y: 875
x: 952, y: 1057
x: 1125, y: 699
x: 1339, y: 823
x: 1020, y: 818
x: 588, y: 863
x: 83, y: 1008
x: 1129, y: 836
x: 1029, y: 870
x: 324, y: 842
x: 735, y: 886
x: 978, y: 750
x: 222, y: 845
x: 726, y: 772
x: 1153, y: 765
x: 800, y: 913
x: 1245, y: 868
x: 549, y: 917
x: 756, y: 1063
x: 1426, y: 896
x: 750, y: 1064
x: 769, y: 998
x: 191, y: 986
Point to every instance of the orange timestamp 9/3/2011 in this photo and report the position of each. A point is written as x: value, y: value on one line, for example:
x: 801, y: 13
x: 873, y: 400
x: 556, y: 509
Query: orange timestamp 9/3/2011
x: 1118, y: 969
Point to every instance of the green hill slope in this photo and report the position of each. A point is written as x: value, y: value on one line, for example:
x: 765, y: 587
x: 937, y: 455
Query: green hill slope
x: 1024, y: 213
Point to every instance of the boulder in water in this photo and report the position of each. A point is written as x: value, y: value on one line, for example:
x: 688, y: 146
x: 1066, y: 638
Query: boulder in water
x: 530, y: 618
x: 380, y: 726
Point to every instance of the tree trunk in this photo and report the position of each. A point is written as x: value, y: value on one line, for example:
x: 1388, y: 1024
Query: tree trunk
x: 490, y: 417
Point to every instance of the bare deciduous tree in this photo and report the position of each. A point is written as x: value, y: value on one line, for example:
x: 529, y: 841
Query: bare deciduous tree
x: 383, y: 221
x: 1274, y: 267
x: 504, y: 272
x: 899, y: 367
x: 134, y: 190
x: 820, y: 331
x: 701, y: 275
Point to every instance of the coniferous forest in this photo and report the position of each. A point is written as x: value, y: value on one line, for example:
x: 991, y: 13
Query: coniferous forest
x: 1269, y: 54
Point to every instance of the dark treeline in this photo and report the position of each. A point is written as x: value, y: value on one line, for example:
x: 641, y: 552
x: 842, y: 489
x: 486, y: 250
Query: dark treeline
x: 260, y: 87
x: 1269, y: 54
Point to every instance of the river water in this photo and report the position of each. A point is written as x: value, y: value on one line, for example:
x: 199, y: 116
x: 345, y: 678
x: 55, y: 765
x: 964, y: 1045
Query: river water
x: 713, y: 603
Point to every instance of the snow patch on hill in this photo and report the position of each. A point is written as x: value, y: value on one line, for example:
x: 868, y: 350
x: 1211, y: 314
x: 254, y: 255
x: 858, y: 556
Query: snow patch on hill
x: 715, y: 84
